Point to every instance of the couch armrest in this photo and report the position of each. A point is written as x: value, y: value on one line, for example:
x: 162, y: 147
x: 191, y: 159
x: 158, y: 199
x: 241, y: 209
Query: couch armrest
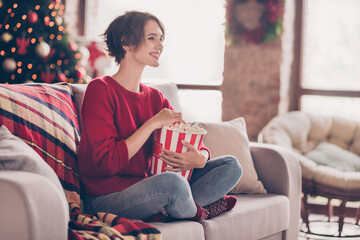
x: 279, y: 170
x: 31, y: 207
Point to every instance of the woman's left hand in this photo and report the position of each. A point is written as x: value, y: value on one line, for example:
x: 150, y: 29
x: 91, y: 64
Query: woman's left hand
x: 183, y: 161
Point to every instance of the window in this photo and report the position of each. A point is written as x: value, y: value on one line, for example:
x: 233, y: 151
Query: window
x: 193, y: 49
x: 329, y: 76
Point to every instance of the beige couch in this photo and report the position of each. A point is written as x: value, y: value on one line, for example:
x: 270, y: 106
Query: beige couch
x: 33, y: 208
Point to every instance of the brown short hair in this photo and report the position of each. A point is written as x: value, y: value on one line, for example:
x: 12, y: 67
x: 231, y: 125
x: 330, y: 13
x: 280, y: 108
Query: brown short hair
x: 127, y: 30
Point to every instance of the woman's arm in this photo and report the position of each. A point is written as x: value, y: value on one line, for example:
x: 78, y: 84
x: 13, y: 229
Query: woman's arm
x: 164, y: 118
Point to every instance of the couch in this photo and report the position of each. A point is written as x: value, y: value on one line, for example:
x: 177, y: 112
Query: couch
x: 33, y: 207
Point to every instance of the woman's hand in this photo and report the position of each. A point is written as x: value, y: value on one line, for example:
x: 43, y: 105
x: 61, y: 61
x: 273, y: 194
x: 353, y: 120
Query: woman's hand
x: 183, y: 161
x: 166, y: 117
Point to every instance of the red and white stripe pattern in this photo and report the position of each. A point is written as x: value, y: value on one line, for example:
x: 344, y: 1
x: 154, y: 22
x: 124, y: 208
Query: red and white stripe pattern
x: 171, y: 140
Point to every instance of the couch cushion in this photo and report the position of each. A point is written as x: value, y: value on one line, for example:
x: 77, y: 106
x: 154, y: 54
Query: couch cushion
x: 180, y: 230
x: 331, y: 155
x: 254, y: 217
x: 45, y: 117
x: 230, y: 138
x: 16, y: 155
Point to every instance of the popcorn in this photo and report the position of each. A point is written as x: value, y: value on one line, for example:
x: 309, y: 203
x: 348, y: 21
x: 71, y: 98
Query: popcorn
x: 187, y: 128
x: 170, y: 138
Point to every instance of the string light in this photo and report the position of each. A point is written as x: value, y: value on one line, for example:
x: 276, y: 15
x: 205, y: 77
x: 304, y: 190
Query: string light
x: 15, y: 5
x: 57, y: 6
x: 37, y: 7
x: 19, y: 63
x: 13, y: 49
x: 29, y: 66
x: 33, y: 40
x: 51, y: 24
x: 59, y: 37
x: 59, y: 62
x: 77, y: 55
x: 9, y: 10
x: 61, y: 28
x: 66, y: 61
x: 51, y: 6
x: 30, y: 30
x: 23, y: 17
x: 2, y: 52
x: 12, y: 77
x: 12, y: 14
x: 7, y: 26
x: 34, y: 76
x: 53, y: 13
x: 19, y: 71
x: 18, y: 25
x: 52, y: 36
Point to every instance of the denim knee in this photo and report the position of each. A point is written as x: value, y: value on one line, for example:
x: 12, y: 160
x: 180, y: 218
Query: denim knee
x: 235, y: 168
x: 174, y: 184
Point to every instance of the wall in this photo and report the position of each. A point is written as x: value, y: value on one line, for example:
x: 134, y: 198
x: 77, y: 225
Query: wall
x: 251, y: 86
x: 257, y: 76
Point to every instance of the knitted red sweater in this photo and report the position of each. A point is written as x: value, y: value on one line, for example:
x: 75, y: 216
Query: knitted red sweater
x: 110, y: 114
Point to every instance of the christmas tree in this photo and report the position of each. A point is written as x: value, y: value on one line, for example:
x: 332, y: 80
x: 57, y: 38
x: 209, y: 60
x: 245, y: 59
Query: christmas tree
x: 35, y: 45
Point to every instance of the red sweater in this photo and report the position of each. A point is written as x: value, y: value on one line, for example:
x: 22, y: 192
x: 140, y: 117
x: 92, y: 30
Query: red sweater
x: 109, y: 115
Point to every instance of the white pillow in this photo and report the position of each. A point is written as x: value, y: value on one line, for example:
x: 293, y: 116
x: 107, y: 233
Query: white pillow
x: 230, y: 138
x: 16, y: 155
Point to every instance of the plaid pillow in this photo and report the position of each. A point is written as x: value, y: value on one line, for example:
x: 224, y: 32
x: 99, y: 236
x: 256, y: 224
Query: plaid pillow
x: 45, y: 117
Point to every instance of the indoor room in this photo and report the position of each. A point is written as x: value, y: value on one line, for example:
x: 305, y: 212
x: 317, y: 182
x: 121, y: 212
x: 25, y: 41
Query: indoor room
x: 168, y: 119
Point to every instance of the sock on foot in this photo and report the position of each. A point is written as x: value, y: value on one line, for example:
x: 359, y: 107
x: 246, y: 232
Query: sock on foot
x: 224, y: 204
x: 162, y: 216
x: 201, y: 214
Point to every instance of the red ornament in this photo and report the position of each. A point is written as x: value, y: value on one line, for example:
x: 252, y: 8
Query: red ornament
x: 22, y: 44
x: 32, y: 17
x: 47, y: 77
x: 95, y: 53
x: 80, y: 72
x: 61, y: 77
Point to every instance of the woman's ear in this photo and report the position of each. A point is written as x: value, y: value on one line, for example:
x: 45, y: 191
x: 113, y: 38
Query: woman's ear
x: 126, y: 48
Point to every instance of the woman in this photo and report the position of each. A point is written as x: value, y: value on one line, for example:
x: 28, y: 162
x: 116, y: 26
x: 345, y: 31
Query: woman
x: 119, y: 115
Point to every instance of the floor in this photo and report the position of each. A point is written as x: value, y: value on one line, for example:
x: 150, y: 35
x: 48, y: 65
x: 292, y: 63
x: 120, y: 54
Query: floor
x: 319, y: 224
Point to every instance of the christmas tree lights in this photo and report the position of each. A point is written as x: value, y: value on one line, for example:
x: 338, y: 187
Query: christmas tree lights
x: 35, y: 45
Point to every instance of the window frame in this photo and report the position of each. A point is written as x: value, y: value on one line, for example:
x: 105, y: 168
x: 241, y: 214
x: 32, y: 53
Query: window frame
x: 298, y: 90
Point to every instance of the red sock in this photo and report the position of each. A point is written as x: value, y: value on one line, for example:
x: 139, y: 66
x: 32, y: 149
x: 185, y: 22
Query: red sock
x: 224, y: 204
x: 201, y: 214
x: 162, y: 216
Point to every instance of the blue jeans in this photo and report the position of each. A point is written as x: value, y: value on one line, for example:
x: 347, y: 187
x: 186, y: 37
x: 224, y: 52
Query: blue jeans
x: 171, y: 191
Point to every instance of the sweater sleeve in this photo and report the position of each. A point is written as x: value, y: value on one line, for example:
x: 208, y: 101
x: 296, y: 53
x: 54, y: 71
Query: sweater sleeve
x: 108, y: 152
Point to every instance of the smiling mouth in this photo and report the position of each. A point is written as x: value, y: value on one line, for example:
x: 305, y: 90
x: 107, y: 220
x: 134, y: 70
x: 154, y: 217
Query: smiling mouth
x: 155, y: 55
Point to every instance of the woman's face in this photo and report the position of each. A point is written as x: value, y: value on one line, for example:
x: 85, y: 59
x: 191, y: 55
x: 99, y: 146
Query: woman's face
x: 149, y: 51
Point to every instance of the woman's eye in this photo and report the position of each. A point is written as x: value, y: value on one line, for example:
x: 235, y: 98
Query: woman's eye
x: 151, y: 38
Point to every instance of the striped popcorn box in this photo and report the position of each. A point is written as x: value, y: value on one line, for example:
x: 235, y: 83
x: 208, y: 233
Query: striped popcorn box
x: 170, y: 138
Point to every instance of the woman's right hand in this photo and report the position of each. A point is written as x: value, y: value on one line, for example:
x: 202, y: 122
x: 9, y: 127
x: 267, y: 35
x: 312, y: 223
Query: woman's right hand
x: 166, y: 117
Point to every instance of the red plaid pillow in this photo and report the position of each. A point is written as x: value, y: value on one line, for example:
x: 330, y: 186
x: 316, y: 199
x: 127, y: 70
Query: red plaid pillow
x: 45, y: 117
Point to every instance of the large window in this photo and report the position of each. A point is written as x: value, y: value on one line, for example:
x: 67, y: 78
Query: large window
x: 329, y: 73
x: 193, y: 55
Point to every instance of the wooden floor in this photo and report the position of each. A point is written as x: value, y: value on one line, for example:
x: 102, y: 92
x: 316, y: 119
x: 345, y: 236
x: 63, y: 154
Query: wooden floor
x: 319, y: 224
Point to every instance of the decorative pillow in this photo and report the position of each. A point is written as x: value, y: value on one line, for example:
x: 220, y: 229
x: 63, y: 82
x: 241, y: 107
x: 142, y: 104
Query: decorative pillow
x: 331, y: 155
x: 44, y: 116
x: 16, y: 155
x: 230, y: 138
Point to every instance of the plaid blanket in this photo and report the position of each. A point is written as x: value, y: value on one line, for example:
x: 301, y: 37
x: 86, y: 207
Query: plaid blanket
x: 45, y: 117
x: 108, y: 226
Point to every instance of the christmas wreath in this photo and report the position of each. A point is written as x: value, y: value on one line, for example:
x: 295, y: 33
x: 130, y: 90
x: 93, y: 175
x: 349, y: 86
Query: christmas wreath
x: 270, y: 22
